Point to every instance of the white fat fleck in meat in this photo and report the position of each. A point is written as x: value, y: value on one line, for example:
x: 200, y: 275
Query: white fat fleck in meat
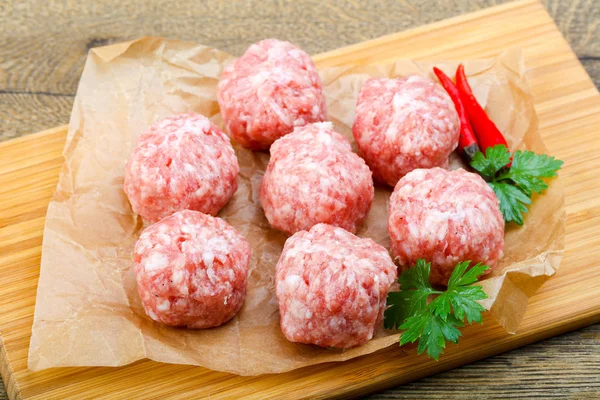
x: 210, y: 272
x: 315, y: 111
x: 208, y: 257
x: 279, y: 112
x: 163, y: 305
x: 324, y: 279
x: 152, y: 315
x: 258, y: 79
x: 178, y: 276
x: 296, y: 309
x: 325, y: 139
x: 156, y: 261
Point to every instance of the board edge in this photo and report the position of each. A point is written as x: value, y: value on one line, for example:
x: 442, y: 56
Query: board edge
x: 7, y: 373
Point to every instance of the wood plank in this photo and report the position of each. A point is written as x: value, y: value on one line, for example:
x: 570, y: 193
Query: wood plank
x: 569, y: 109
x: 42, y: 58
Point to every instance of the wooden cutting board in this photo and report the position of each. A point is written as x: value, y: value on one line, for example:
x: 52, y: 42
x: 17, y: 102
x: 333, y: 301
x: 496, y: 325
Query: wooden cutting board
x: 569, y: 108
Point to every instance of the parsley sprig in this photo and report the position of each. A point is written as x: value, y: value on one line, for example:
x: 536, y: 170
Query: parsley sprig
x: 514, y: 185
x: 433, y: 323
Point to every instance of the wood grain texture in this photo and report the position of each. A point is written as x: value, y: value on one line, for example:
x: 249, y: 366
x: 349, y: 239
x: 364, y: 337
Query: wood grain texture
x: 562, y: 367
x: 43, y: 43
x: 560, y: 89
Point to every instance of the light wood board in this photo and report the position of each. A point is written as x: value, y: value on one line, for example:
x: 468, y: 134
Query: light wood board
x: 568, y: 105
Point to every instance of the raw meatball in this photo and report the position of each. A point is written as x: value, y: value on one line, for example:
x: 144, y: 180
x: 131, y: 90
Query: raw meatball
x: 332, y: 287
x: 268, y: 91
x: 445, y: 217
x: 191, y: 270
x: 313, y: 176
x: 403, y: 124
x: 182, y: 162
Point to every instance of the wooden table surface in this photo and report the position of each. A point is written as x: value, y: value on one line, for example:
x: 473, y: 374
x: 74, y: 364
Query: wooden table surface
x: 43, y: 45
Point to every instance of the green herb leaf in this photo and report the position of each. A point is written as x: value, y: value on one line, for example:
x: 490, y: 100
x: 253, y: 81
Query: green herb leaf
x: 528, y: 184
x: 413, y: 327
x: 437, y: 322
x: 450, y: 330
x: 494, y: 160
x: 416, y: 277
x: 401, y: 306
x: 513, y: 202
x: 459, y: 297
x: 461, y: 278
x: 464, y: 304
x: 432, y: 338
x: 540, y: 165
x: 432, y: 332
x: 528, y: 169
x: 412, y: 297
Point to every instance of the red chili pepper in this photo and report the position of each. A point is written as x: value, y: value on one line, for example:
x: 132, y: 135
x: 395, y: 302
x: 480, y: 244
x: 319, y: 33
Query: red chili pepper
x: 467, y: 143
x: 486, y: 131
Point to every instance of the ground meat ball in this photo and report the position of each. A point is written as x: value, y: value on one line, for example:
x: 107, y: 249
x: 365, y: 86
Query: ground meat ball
x: 181, y: 162
x: 268, y: 91
x: 313, y: 176
x: 403, y: 124
x: 332, y: 287
x: 445, y: 217
x: 191, y: 270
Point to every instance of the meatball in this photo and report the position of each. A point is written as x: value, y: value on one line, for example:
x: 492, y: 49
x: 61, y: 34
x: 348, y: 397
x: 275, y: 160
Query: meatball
x: 313, y: 176
x: 182, y: 162
x: 332, y: 287
x: 445, y: 217
x: 268, y: 91
x: 191, y: 270
x: 404, y: 124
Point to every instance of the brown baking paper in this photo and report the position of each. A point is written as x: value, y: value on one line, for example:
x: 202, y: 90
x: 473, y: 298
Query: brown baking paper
x: 88, y: 312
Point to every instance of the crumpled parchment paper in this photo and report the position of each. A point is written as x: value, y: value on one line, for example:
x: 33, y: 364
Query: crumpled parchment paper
x: 88, y: 312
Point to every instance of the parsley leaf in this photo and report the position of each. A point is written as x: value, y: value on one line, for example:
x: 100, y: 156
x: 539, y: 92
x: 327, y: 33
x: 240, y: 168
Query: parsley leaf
x: 528, y: 163
x: 463, y: 302
x: 437, y: 322
x: 461, y: 278
x: 459, y: 297
x: 401, y: 306
x: 513, y: 202
x: 412, y: 299
x: 514, y: 185
x: 416, y: 277
x: 527, y: 184
x: 528, y: 168
x: 494, y: 160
